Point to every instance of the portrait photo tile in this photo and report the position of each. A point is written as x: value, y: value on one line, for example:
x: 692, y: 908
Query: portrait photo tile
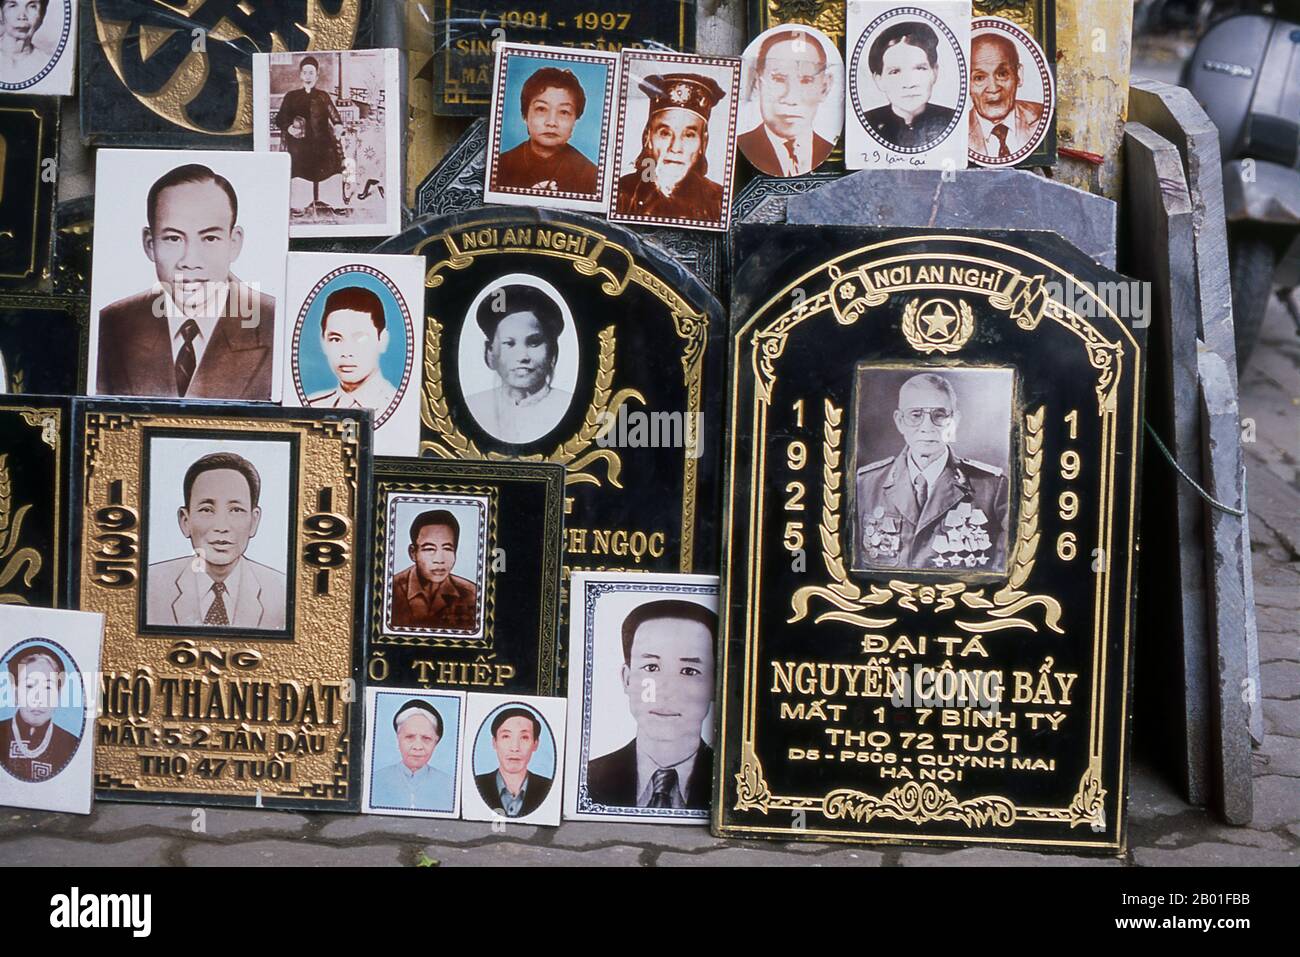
x: 343, y: 137
x: 231, y: 284
x: 612, y: 700
x: 355, y: 364
x: 1012, y: 84
x: 405, y: 778
x: 541, y: 152
x: 528, y: 756
x: 46, y: 47
x: 49, y: 699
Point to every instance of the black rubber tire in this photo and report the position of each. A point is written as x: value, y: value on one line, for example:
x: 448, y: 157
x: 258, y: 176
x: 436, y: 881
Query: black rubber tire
x: 1252, y: 259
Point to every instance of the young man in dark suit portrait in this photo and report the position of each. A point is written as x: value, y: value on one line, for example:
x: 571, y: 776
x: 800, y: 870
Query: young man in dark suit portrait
x: 199, y: 333
x: 668, y: 679
x: 512, y: 790
x: 791, y: 82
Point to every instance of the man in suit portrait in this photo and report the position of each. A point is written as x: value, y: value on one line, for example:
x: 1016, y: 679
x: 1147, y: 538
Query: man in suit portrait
x: 353, y: 335
x: 668, y: 679
x: 551, y: 102
x: 928, y: 508
x: 669, y: 179
x: 412, y: 783
x: 512, y: 790
x: 904, y: 63
x: 32, y: 747
x: 218, y: 585
x: 791, y: 83
x: 427, y: 594
x: 1000, y: 124
x: 199, y: 333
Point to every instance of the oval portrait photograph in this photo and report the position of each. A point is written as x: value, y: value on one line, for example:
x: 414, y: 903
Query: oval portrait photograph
x: 514, y: 759
x: 1012, y: 93
x: 43, y: 719
x: 518, y: 359
x: 351, y: 343
x: 35, y: 35
x: 791, y: 114
x: 907, y: 80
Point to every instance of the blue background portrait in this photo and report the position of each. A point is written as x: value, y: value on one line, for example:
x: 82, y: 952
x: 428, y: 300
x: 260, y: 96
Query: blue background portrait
x: 314, y: 368
x: 444, y: 757
x: 485, y: 757
x: 589, y: 129
x: 71, y: 720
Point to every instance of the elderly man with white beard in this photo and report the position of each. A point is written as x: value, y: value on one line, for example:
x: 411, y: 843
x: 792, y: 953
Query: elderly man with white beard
x: 669, y: 180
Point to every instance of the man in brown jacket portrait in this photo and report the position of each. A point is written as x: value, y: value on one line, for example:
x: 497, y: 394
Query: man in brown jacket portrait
x: 427, y: 594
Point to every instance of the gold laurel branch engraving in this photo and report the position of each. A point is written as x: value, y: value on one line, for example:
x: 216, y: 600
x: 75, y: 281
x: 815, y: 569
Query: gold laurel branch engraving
x: 452, y: 444
x: 1010, y: 600
x: 842, y: 592
x: 6, y: 495
x: 919, y: 803
x: 910, y: 332
x: 752, y: 792
x: 1089, y: 805
x: 967, y: 326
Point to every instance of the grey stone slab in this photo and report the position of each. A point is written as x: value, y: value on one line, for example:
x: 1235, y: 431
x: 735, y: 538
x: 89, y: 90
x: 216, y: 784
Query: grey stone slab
x: 1282, y: 718
x: 777, y: 857
x: 1214, y: 855
x: 969, y: 199
x: 511, y: 854
x: 111, y: 818
x: 1280, y: 755
x: 1233, y: 688
x: 381, y: 827
x: 1276, y: 504
x: 1000, y: 857
x: 1256, y: 706
x: 1280, y: 679
x: 273, y: 853
x: 17, y: 821
x: 1278, y: 646
x: 1173, y: 703
x: 64, y: 852
x: 579, y: 834
x: 1173, y: 112
x: 764, y: 198
x: 1284, y: 598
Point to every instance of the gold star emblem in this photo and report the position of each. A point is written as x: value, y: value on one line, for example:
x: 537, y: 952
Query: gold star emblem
x: 938, y: 321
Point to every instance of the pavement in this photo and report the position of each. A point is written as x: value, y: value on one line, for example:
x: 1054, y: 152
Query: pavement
x: 1163, y: 830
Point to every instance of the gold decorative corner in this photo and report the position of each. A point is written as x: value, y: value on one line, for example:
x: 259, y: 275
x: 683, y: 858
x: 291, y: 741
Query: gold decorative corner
x: 752, y: 792
x: 919, y: 803
x: 1089, y: 804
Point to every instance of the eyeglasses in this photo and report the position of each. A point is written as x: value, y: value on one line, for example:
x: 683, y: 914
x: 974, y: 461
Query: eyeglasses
x: 940, y: 417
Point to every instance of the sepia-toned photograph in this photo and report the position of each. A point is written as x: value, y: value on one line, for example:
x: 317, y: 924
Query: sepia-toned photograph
x: 548, y: 138
x: 907, y: 84
x: 641, y: 685
x: 413, y: 745
x: 218, y: 534
x: 518, y: 359
x: 38, y: 46
x: 337, y: 116
x: 675, y: 154
x: 933, y: 456
x: 792, y: 110
x: 512, y: 759
x: 49, y: 665
x: 187, y: 283
x: 437, y: 561
x: 356, y: 341
x: 1012, y: 93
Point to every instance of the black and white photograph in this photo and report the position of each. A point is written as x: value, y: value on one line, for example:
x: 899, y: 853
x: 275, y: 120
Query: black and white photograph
x: 908, y: 84
x: 338, y: 117
x: 38, y: 46
x: 218, y: 533
x: 187, y: 288
x: 641, y: 685
x: 437, y: 562
x: 792, y: 110
x: 548, y: 135
x: 1012, y: 93
x: 518, y: 359
x: 49, y: 693
x: 413, y: 752
x: 933, y: 458
x: 512, y: 759
x: 675, y: 152
x: 356, y: 340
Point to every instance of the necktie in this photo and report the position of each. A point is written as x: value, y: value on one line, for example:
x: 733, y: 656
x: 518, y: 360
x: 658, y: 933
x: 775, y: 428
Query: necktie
x: 185, y: 360
x: 217, y: 612
x: 922, y: 489
x: 662, y: 785
x: 1001, y: 131
x: 794, y: 160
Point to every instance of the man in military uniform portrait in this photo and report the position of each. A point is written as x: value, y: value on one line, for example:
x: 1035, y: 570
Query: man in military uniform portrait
x: 904, y: 63
x: 551, y: 102
x: 1000, y: 124
x: 32, y: 747
x: 427, y: 594
x: 354, y: 334
x: 669, y: 179
x: 928, y: 508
